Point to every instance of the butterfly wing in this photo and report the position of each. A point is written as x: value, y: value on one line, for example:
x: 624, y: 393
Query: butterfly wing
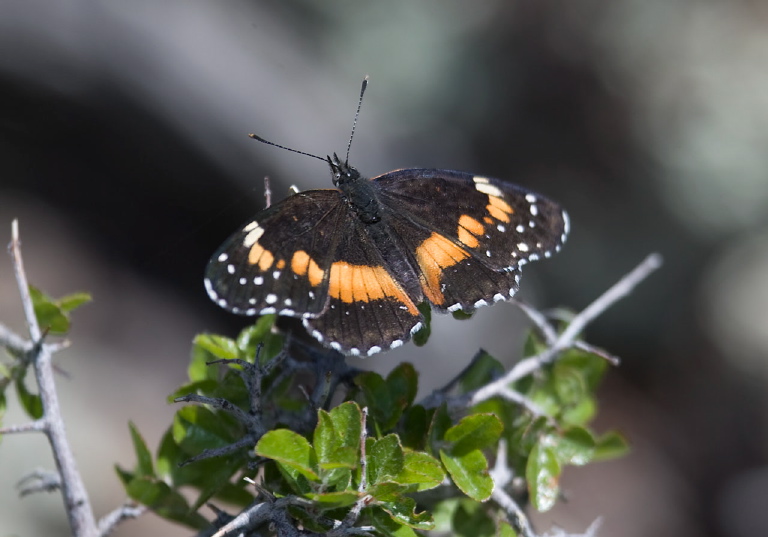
x: 278, y: 262
x: 369, y: 310
x: 310, y: 256
x: 472, y: 242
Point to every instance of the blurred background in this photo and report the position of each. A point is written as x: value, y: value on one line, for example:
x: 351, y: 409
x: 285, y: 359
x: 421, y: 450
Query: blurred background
x: 123, y: 152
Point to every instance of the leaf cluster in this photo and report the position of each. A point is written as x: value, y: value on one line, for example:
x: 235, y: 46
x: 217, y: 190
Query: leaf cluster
x: 350, y: 450
x: 54, y: 318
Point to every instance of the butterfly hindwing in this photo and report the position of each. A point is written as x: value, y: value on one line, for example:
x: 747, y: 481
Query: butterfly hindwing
x: 470, y: 252
x: 278, y: 262
x: 369, y: 309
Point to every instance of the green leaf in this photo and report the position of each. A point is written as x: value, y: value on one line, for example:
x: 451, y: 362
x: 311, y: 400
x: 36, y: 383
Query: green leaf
x: 53, y: 314
x: 403, y: 510
x: 49, y: 314
x: 387, y: 491
x: 413, y: 427
x: 570, y: 386
x: 506, y: 530
x: 290, y: 450
x: 422, y: 470
x: 144, y: 466
x: 231, y: 493
x: 403, y: 383
x: 196, y: 428
x: 472, y: 520
x: 206, y: 387
x: 576, y: 446
x: 124, y: 475
x: 476, y: 431
x: 3, y: 406
x: 421, y: 337
x: 334, y: 500
x: 610, y: 446
x: 461, y: 315
x: 250, y: 337
x: 73, y: 301
x: 325, y: 439
x: 337, y: 437
x: 385, y: 459
x: 440, y: 423
x: 580, y: 413
x: 533, y: 344
x: 591, y: 367
x: 484, y: 369
x: 470, y: 473
x: 389, y: 526
x: 376, y: 395
x: 443, y: 512
x: 167, y: 503
x: 198, y: 369
x: 30, y: 402
x: 210, y: 476
x: 347, y: 420
x: 543, y: 474
x: 219, y: 346
x: 169, y: 458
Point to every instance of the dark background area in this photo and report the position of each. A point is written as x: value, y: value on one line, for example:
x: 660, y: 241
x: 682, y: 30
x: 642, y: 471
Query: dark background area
x: 123, y: 152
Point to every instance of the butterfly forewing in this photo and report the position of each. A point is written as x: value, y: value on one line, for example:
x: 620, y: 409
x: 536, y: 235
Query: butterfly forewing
x: 278, y: 262
x: 469, y: 252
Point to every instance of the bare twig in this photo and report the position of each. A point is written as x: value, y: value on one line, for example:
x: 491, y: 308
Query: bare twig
x: 440, y: 395
x: 253, y: 516
x: 76, y: 501
x: 246, y: 441
x: 568, y: 338
x: 540, y: 320
x: 14, y: 342
x: 502, y: 475
x: 23, y: 284
x: 38, y: 480
x: 126, y: 511
x: 364, y: 498
x: 267, y: 192
x: 36, y: 426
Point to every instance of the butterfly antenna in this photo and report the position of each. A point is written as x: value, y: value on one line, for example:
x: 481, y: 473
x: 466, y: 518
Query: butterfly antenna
x: 354, y: 123
x: 262, y: 140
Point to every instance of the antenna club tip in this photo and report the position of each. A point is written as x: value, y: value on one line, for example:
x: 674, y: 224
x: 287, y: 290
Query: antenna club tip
x: 255, y: 137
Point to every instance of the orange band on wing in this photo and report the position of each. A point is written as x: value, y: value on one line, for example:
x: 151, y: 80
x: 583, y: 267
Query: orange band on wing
x: 434, y: 255
x: 363, y: 283
x: 258, y: 255
x: 499, y: 209
x: 303, y: 265
x: 468, y: 231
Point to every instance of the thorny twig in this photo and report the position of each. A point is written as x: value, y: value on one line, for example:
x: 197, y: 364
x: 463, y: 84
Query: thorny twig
x: 568, y: 338
x: 39, y: 354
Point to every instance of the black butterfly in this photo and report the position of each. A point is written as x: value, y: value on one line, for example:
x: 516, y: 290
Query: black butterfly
x: 355, y: 261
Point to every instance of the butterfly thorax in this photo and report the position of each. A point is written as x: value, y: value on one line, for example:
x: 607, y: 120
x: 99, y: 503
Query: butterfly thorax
x: 358, y: 191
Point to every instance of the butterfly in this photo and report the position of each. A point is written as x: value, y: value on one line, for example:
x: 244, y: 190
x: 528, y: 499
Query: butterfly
x: 354, y: 262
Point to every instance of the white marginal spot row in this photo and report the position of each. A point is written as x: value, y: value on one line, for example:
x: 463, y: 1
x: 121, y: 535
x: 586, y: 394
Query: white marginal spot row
x: 354, y: 351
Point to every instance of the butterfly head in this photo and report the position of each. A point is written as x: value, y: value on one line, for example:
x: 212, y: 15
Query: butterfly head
x: 342, y: 172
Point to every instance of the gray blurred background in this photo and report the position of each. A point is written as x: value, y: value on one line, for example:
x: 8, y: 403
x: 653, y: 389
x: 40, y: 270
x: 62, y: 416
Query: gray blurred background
x: 123, y: 152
